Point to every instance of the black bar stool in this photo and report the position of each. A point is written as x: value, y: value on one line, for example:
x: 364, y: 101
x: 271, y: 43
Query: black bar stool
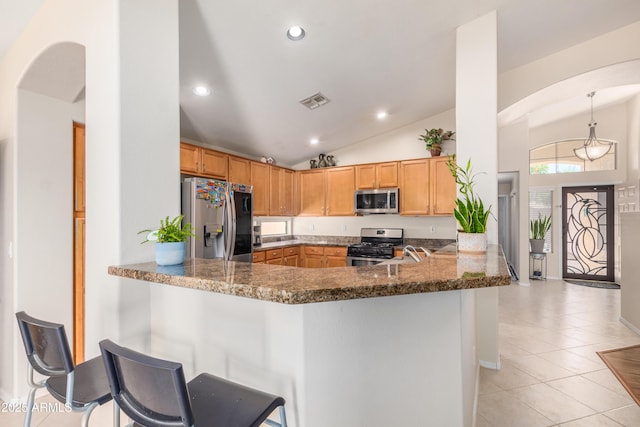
x: 153, y: 393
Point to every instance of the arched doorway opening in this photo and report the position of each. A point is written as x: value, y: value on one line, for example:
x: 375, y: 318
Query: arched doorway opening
x: 51, y: 98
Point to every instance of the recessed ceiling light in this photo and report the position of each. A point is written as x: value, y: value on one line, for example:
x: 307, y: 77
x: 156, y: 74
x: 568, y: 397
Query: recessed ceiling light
x: 382, y: 115
x: 314, y: 141
x: 201, y: 90
x: 295, y: 33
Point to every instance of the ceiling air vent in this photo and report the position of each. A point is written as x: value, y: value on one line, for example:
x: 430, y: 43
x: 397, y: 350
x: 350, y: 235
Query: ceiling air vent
x: 314, y: 101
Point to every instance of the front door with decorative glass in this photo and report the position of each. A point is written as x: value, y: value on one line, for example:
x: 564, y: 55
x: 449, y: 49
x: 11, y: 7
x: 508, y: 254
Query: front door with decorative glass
x: 587, y: 229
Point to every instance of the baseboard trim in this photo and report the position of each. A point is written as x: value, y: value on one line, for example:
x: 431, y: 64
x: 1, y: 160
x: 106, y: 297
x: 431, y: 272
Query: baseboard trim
x: 629, y: 325
x: 491, y: 365
x: 475, y: 398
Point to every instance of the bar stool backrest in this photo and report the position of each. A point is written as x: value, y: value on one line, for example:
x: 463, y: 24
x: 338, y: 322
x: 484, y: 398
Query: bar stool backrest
x: 46, y: 345
x: 151, y: 391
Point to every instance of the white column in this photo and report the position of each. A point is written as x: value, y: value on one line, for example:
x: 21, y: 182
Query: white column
x: 476, y: 139
x: 132, y: 113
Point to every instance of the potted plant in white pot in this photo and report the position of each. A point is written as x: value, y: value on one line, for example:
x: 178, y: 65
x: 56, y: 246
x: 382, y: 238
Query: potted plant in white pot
x: 171, y: 240
x: 469, y: 210
x: 433, y: 139
x: 539, y: 229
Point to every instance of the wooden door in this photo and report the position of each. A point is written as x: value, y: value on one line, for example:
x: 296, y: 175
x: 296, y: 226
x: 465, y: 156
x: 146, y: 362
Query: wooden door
x: 312, y: 192
x: 78, y: 240
x: 240, y: 170
x: 414, y: 187
x: 387, y: 175
x: 260, y: 182
x: 214, y: 164
x: 340, y: 188
x: 365, y: 176
x: 443, y: 187
x: 190, y: 158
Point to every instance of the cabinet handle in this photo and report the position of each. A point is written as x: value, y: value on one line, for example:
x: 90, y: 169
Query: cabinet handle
x: 197, y: 166
x: 204, y: 167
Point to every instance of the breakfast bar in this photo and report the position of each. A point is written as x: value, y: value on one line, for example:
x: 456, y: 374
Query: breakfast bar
x: 374, y: 345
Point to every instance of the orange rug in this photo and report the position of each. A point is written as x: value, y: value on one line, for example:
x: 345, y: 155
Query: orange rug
x: 625, y: 365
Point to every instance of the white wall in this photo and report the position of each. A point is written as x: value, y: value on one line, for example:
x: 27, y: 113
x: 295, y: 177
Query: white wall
x: 399, y: 144
x: 44, y: 209
x: 476, y: 118
x: 513, y: 156
x: 132, y: 157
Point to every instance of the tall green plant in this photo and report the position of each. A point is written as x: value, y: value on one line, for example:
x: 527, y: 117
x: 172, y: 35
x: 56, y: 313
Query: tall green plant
x: 171, y: 231
x: 469, y: 211
x: 540, y: 227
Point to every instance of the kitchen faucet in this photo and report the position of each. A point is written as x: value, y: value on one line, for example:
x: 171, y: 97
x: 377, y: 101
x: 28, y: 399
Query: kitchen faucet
x: 412, y: 252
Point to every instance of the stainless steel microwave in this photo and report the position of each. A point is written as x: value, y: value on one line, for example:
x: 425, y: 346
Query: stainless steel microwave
x: 380, y: 201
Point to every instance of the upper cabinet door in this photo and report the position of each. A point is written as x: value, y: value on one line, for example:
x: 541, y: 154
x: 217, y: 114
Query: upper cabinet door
x: 240, y: 170
x: 312, y: 192
x: 387, y: 175
x: 414, y: 187
x: 214, y: 164
x: 275, y: 181
x: 190, y: 158
x: 443, y: 187
x: 340, y: 187
x: 376, y: 175
x: 260, y: 182
x: 287, y: 192
x: 365, y: 177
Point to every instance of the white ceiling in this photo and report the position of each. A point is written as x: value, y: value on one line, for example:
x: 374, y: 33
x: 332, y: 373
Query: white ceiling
x: 364, y: 55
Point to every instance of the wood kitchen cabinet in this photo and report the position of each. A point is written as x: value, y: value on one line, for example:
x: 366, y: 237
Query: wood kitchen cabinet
x: 376, y: 175
x: 324, y: 256
x: 312, y: 183
x: 259, y: 257
x: 291, y: 256
x: 274, y: 256
x: 442, y: 187
x: 201, y: 161
x: 281, y: 194
x: 327, y: 192
x: 260, y: 182
x: 414, y: 187
x: 335, y: 256
x: 340, y: 187
x: 239, y: 170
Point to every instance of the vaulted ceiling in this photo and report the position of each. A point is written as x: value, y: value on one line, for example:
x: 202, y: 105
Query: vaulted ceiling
x: 364, y: 56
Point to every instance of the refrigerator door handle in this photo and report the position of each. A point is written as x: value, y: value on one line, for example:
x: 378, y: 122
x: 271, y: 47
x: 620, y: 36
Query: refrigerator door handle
x: 227, y: 228
x: 232, y: 236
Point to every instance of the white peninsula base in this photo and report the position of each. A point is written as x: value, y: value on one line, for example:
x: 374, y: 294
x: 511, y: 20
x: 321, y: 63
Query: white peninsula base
x: 406, y: 360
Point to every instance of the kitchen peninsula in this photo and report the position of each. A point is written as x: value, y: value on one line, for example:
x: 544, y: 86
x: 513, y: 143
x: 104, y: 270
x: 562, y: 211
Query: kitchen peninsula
x: 349, y: 346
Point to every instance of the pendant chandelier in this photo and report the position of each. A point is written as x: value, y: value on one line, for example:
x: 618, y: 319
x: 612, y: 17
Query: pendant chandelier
x: 593, y: 148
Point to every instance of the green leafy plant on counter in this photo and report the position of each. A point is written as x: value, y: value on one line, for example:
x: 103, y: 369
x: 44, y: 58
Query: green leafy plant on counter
x: 169, y: 231
x: 469, y: 211
x: 540, y: 227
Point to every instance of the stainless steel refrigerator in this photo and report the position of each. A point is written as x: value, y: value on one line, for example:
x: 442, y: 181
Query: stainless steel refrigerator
x: 221, y: 214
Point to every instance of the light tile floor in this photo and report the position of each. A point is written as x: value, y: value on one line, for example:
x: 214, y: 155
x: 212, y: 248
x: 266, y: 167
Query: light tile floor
x: 550, y: 376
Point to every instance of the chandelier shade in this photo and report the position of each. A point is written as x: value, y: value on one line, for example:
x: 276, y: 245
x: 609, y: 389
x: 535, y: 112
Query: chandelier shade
x: 593, y: 148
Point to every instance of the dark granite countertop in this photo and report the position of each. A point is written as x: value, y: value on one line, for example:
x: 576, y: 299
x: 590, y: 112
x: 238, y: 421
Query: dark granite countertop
x: 445, y: 270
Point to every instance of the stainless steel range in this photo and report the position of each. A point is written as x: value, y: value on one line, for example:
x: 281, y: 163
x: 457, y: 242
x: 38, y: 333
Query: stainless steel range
x: 376, y: 245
